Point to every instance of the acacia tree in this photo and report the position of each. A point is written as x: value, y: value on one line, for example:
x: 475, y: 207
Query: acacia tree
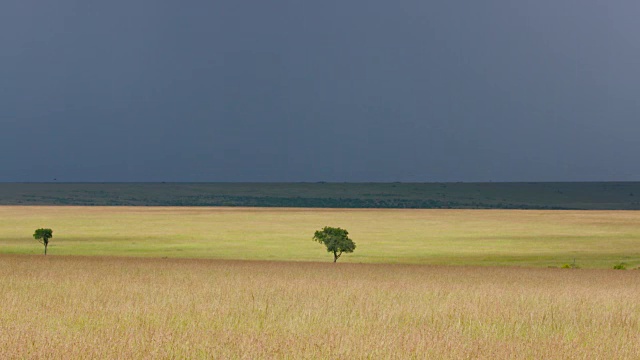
x: 43, y: 236
x: 336, y: 241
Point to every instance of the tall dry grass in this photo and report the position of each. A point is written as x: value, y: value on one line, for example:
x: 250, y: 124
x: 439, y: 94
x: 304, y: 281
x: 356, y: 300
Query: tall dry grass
x: 120, y: 308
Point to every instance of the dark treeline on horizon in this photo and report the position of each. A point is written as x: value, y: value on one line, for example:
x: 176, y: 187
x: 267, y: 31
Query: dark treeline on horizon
x: 459, y: 195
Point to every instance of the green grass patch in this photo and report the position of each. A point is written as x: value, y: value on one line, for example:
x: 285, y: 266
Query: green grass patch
x: 596, y: 239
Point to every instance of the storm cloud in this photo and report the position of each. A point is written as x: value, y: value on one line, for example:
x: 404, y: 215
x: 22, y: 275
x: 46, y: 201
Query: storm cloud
x: 405, y: 90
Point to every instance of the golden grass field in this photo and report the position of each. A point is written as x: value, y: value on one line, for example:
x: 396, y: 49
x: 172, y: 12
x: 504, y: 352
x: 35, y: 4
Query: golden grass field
x: 595, y: 239
x: 178, y: 283
x: 58, y: 307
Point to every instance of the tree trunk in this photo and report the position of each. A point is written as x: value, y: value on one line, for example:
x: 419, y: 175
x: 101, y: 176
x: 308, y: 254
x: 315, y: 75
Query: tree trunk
x: 335, y: 256
x: 45, y: 248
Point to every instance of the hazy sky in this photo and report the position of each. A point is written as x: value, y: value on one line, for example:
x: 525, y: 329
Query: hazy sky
x: 332, y: 90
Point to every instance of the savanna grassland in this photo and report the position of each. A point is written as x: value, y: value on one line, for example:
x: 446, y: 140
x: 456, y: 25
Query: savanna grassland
x: 249, y: 283
x: 130, y: 308
x: 595, y: 239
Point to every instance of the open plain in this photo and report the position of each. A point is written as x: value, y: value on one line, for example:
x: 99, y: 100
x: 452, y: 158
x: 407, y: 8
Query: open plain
x: 132, y: 308
x: 161, y: 282
x: 595, y: 239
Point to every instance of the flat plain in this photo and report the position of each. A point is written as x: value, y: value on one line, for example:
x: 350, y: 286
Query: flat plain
x: 131, y: 308
x: 541, y: 238
x: 249, y: 283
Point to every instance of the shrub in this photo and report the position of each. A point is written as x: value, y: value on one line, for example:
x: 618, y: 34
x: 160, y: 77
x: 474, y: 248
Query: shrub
x: 573, y: 265
x: 620, y: 266
x: 570, y: 266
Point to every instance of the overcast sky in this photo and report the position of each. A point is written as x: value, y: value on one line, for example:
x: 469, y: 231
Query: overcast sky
x: 331, y: 90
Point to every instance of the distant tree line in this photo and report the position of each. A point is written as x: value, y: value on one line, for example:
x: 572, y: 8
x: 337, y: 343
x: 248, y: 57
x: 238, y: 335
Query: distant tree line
x: 310, y: 202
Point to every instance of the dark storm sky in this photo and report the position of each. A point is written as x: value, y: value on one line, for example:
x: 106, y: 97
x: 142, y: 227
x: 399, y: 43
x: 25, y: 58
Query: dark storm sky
x: 333, y: 90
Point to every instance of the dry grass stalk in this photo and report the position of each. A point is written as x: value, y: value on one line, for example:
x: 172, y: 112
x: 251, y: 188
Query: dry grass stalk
x: 117, y: 308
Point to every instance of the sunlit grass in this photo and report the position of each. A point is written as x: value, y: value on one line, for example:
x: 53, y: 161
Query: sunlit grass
x: 148, y: 303
x: 130, y: 308
x: 459, y: 237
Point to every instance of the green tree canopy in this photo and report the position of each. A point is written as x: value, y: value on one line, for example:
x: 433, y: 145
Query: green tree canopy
x: 43, y: 236
x: 336, y: 241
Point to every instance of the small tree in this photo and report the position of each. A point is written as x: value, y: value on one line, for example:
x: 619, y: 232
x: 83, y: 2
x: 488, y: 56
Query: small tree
x: 336, y: 241
x: 43, y: 236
